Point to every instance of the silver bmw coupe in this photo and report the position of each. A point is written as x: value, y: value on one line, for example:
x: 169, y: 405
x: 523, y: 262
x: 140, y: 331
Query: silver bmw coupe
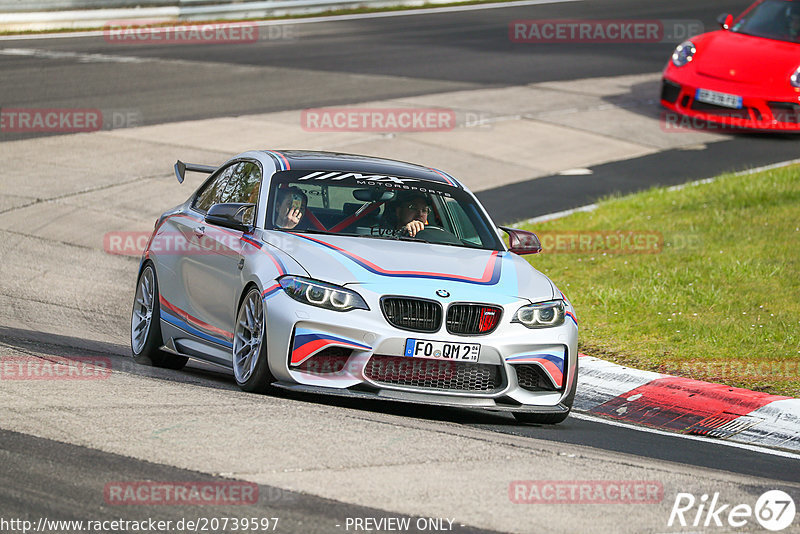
x: 355, y: 276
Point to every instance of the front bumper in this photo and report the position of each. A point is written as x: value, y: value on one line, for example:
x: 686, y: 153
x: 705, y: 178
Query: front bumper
x: 759, y: 113
x: 359, y: 354
x: 426, y: 399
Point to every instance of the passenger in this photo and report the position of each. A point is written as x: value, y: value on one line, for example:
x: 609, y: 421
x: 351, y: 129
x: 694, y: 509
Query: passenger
x: 290, y: 208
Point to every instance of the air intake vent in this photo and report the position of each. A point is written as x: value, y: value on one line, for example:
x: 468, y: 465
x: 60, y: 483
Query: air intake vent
x: 670, y: 91
x: 417, y: 315
x: 434, y: 374
x: 327, y: 361
x: 473, y: 318
x: 533, y: 378
x: 785, y: 111
x: 721, y: 111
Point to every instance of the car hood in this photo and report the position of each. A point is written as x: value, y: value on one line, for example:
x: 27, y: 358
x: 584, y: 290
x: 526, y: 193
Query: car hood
x: 396, y: 267
x: 743, y: 58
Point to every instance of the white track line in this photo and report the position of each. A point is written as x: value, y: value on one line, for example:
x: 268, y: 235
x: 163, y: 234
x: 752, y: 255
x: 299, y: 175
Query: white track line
x: 314, y: 20
x: 558, y: 214
x: 402, y: 13
x: 768, y: 167
x: 592, y: 207
x: 81, y: 58
x: 740, y: 173
x: 716, y: 441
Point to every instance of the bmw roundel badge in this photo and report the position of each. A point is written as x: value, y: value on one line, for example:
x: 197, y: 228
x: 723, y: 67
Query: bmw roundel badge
x: 442, y: 293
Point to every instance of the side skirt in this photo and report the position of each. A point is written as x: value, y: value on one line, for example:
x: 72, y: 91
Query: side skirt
x: 183, y: 343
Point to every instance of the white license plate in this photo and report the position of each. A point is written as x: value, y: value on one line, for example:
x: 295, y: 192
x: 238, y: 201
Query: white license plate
x: 442, y: 350
x: 719, y: 99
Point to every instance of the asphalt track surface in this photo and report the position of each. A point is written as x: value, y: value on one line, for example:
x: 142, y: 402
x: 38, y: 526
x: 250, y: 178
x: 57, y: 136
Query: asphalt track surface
x: 72, y: 492
x: 416, y: 55
x: 573, y: 431
x: 318, y: 65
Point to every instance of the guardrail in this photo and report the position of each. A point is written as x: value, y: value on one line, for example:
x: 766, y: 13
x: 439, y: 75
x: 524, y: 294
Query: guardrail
x: 19, y: 15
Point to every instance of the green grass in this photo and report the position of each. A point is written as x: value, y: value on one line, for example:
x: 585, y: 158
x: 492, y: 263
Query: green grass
x: 719, y: 301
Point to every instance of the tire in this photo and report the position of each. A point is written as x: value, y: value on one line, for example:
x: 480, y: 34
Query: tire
x: 146, y: 338
x: 250, y: 365
x: 549, y: 418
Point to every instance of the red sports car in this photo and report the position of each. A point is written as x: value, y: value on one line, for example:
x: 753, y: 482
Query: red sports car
x: 746, y: 75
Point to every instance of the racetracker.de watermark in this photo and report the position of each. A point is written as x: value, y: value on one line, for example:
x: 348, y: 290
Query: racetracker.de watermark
x: 673, y: 122
x: 586, y: 492
x: 385, y: 120
x: 149, y: 493
x: 401, y: 367
x: 54, y: 368
x: 66, y: 120
x: 158, y: 32
x: 602, y: 31
x: 132, y: 243
x: 593, y: 242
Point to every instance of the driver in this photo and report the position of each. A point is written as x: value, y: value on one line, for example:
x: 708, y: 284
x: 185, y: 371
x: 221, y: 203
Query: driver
x: 290, y: 207
x: 412, y: 214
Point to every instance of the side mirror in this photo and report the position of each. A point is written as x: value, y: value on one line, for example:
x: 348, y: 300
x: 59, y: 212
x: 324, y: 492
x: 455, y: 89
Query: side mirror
x: 522, y: 241
x: 725, y: 21
x: 234, y: 215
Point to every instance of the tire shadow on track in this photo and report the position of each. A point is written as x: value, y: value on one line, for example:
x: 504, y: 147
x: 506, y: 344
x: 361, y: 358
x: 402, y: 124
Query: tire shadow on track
x: 38, y: 344
x: 573, y: 431
x: 545, y: 195
x: 644, y: 99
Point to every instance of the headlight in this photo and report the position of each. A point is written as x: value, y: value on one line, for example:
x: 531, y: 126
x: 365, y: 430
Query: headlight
x: 322, y: 295
x: 543, y: 315
x: 795, y: 78
x: 683, y: 53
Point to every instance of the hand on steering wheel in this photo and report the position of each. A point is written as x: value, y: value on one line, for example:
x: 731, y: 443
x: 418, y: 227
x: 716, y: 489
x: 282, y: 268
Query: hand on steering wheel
x: 413, y: 227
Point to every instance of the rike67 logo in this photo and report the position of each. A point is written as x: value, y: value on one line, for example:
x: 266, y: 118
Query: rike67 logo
x: 774, y: 510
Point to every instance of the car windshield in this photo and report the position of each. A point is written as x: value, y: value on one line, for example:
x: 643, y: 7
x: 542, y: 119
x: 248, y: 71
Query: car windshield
x: 377, y: 207
x: 772, y: 19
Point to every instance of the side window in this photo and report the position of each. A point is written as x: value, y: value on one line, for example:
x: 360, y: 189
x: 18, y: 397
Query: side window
x: 463, y: 225
x: 244, y: 184
x: 210, y: 192
x: 243, y: 187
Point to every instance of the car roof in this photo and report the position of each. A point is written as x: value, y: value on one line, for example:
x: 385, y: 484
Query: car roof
x: 335, y: 161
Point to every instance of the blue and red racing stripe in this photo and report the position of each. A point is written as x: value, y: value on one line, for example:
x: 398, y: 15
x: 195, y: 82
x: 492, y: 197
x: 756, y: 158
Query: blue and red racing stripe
x: 180, y: 318
x: 279, y: 266
x: 572, y: 316
x: 491, y: 273
x: 270, y: 292
x: 283, y: 163
x: 447, y: 178
x: 308, y: 342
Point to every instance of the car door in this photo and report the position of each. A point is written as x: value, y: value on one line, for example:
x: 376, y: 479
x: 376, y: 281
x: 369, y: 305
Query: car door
x: 216, y: 280
x: 184, y: 278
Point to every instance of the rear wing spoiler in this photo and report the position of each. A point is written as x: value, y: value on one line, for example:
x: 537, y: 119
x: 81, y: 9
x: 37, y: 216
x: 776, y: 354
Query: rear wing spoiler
x: 181, y: 168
